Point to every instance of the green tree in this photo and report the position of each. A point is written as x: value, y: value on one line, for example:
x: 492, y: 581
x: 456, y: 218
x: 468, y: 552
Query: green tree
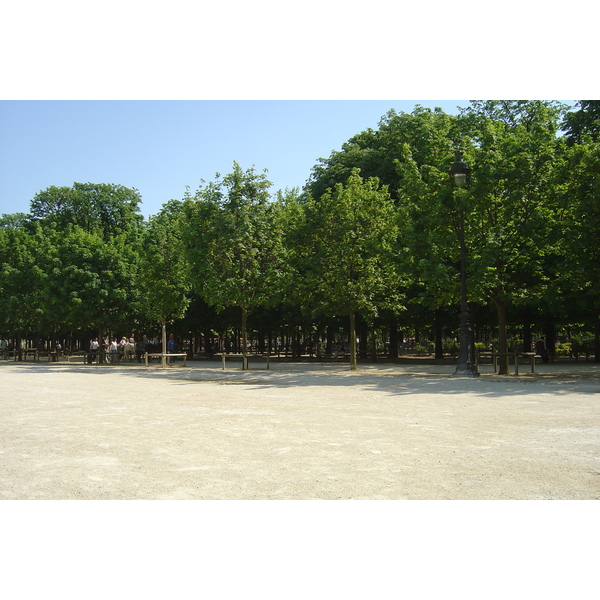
x: 583, y: 124
x: 163, y: 274
x: 349, y: 240
x: 377, y: 152
x: 110, y: 209
x: 81, y: 283
x: 20, y: 279
x: 580, y: 227
x: 511, y: 206
x: 234, y: 243
x: 91, y: 235
x: 409, y: 153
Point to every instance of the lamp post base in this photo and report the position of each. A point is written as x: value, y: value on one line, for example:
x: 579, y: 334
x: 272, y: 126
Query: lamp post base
x: 466, y: 370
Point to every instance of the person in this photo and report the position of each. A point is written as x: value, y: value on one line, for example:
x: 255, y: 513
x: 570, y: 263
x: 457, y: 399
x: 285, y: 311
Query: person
x: 540, y: 348
x: 113, y: 350
x: 94, y: 345
x: 141, y: 348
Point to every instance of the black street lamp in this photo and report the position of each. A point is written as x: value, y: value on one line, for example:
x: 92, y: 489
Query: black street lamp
x: 466, y: 364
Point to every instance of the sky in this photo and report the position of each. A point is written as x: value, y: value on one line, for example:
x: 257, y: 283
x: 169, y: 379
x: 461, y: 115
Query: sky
x: 160, y: 147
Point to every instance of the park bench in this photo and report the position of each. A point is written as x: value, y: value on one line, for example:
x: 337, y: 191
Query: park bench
x: 76, y: 355
x: 51, y: 354
x: 25, y: 352
x: 225, y: 355
x: 531, y: 356
x: 148, y: 355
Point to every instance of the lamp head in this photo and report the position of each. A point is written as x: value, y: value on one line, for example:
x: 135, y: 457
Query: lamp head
x: 460, y: 170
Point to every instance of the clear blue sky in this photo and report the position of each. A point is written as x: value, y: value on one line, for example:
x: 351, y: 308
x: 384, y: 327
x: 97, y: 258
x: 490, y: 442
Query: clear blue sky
x: 159, y: 147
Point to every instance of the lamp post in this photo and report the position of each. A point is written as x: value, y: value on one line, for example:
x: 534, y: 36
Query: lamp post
x: 466, y: 364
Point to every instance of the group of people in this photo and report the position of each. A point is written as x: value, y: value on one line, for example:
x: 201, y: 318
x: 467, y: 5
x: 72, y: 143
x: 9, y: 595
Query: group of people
x: 114, y: 350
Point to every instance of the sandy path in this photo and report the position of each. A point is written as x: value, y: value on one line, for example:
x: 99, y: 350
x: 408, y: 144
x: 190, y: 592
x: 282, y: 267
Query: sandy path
x: 296, y: 432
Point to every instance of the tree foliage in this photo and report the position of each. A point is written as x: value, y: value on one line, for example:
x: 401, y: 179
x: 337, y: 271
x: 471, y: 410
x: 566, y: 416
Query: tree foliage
x: 349, y: 240
x: 163, y: 280
x: 234, y: 243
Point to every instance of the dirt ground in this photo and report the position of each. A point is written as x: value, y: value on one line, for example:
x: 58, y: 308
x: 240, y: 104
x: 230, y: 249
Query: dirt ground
x: 297, y: 431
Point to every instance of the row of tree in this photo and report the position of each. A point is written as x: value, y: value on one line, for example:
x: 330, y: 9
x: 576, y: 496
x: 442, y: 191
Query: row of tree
x: 372, y: 238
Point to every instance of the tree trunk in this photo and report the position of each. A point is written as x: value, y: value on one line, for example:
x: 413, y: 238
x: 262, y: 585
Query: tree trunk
x: 164, y: 344
x: 597, y: 340
x: 352, y: 340
x: 393, y: 350
x: 502, y: 341
x: 439, y: 347
x: 244, y: 338
x: 363, y: 335
x: 527, y: 337
x: 550, y: 334
x: 373, y: 343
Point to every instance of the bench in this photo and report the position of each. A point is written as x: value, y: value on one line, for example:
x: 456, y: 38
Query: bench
x: 76, y: 355
x: 245, y: 359
x: 51, y: 354
x: 25, y: 352
x: 516, y: 355
x: 147, y: 355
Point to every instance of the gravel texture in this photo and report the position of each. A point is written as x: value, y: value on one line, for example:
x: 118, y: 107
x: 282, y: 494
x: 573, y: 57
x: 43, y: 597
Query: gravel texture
x: 297, y: 431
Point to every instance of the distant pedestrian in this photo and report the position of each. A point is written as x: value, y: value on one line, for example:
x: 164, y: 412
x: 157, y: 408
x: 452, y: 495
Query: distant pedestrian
x: 113, y: 350
x: 94, y: 346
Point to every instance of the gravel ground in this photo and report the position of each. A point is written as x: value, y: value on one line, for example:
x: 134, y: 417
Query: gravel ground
x: 298, y: 431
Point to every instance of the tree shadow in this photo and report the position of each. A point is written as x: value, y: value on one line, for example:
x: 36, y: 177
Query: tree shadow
x: 391, y: 379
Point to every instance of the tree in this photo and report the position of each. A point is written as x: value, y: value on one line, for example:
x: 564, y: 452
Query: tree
x: 409, y: 153
x: 90, y: 234
x: 349, y: 267
x: 20, y: 278
x: 583, y: 124
x: 580, y: 268
x: 85, y: 284
x: 234, y: 244
x: 110, y: 209
x: 511, y: 205
x: 377, y: 153
x: 163, y: 274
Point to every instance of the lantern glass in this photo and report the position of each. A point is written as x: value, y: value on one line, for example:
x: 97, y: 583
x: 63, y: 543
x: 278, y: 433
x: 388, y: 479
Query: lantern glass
x: 460, y: 179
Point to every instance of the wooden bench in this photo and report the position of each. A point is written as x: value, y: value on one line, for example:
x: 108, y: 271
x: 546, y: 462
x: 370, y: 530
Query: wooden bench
x: 245, y: 360
x: 76, y: 355
x: 25, y: 352
x: 516, y: 355
x: 51, y: 354
x: 147, y: 355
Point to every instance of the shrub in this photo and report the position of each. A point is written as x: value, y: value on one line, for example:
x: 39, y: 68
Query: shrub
x: 451, y: 347
x: 563, y: 349
x: 421, y: 350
